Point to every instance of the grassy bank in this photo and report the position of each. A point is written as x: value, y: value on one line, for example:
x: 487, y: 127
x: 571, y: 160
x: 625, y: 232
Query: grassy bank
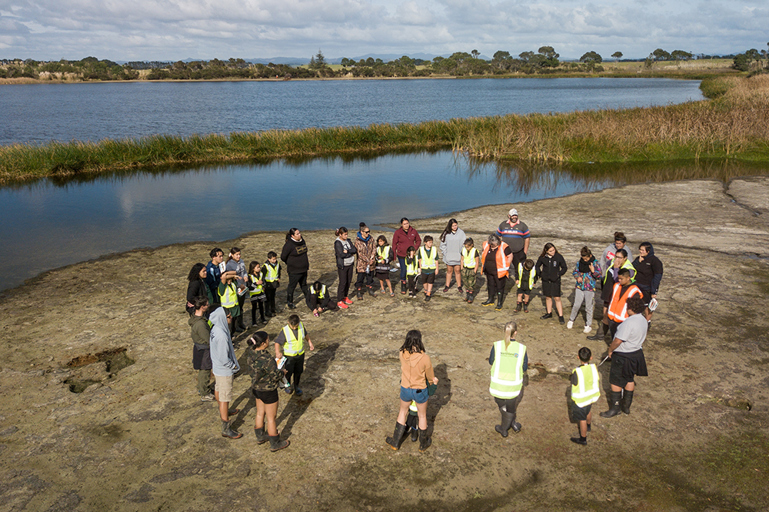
x: 733, y: 126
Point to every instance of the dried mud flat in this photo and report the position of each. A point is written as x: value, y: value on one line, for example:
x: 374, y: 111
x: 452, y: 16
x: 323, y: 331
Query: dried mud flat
x: 135, y: 436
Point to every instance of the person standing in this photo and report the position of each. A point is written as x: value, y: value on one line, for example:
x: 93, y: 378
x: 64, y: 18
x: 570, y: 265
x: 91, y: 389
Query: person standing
x: 200, y: 330
x: 224, y: 366
x: 516, y: 235
x: 404, y: 238
x: 197, y: 287
x: 585, y: 391
x: 620, y: 242
x: 585, y: 273
x: 452, y: 243
x: 365, y: 267
x: 627, y: 358
x: 509, y: 363
x: 294, y: 255
x: 550, y: 267
x: 214, y: 269
x: 345, y: 258
x: 271, y: 277
x: 648, y: 274
x: 290, y: 343
x: 610, y: 278
x: 236, y: 264
x: 416, y: 374
x: 264, y: 385
x: 496, y: 259
x: 471, y: 263
x: 624, y: 289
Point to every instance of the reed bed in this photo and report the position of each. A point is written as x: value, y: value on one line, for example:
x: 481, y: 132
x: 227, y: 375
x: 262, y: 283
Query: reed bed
x: 734, y: 126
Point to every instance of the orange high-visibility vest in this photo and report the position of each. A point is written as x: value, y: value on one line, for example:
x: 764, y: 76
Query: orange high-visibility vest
x: 503, y: 263
x: 618, y: 304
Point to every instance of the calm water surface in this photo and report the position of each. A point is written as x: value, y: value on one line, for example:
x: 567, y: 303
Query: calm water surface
x: 92, y: 111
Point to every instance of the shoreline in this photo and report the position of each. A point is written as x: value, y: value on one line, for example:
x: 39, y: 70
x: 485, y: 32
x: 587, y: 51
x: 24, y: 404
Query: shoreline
x: 138, y: 437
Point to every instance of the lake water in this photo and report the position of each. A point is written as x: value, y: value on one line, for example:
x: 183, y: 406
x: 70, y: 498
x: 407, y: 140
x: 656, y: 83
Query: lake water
x: 46, y: 224
x: 91, y: 111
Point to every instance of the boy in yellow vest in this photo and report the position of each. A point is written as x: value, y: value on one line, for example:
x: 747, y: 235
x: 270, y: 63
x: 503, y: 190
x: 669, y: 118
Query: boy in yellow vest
x: 290, y: 342
x: 585, y: 391
x: 471, y: 264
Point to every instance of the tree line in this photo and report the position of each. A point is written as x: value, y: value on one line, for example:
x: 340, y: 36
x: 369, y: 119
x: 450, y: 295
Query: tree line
x: 545, y: 60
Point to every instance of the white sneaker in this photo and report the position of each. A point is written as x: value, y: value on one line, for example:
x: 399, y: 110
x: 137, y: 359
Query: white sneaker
x: 587, y: 329
x: 569, y: 324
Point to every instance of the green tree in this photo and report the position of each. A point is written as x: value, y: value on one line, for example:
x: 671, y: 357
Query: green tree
x: 550, y: 57
x: 591, y: 59
x: 660, y: 54
x: 680, y: 55
x: 616, y: 55
x: 475, y: 53
x: 318, y: 61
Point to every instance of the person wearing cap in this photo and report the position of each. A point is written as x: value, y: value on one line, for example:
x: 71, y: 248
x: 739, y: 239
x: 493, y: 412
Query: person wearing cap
x: 516, y: 235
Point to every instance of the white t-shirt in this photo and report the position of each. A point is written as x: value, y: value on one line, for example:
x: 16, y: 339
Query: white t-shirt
x: 632, y: 332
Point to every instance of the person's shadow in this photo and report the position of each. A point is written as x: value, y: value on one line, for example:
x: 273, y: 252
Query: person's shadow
x: 441, y: 397
x: 312, y: 384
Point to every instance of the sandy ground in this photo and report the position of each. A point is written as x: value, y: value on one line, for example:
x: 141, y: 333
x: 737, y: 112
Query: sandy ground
x: 139, y: 438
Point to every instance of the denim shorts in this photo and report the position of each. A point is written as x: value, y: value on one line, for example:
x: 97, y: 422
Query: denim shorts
x: 420, y: 396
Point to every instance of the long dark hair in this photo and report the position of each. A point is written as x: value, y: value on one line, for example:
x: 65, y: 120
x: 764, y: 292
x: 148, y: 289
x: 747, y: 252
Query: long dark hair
x: 291, y: 233
x: 195, y: 271
x: 413, y: 343
x: 547, y: 248
x: 447, y: 229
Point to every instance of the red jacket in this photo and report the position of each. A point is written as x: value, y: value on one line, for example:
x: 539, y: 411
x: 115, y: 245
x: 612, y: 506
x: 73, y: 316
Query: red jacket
x: 403, y: 240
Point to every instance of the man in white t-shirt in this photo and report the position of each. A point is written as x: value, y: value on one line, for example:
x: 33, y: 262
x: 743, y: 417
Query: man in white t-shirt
x: 627, y: 358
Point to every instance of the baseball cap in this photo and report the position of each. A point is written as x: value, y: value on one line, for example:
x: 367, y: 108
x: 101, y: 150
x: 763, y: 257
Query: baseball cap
x: 512, y: 211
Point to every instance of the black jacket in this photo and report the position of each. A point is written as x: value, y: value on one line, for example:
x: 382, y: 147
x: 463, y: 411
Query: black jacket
x: 551, y: 269
x: 294, y: 255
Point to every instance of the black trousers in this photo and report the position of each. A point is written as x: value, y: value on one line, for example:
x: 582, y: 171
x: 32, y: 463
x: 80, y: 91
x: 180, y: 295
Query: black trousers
x: 293, y: 281
x: 257, y: 304
x: 270, y: 292
x: 495, y: 284
x: 294, y: 367
x: 368, y: 277
x: 345, y: 279
x: 510, y: 405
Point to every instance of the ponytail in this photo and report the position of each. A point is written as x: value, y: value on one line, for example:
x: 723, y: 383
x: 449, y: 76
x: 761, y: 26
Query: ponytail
x: 510, y: 329
x: 340, y: 231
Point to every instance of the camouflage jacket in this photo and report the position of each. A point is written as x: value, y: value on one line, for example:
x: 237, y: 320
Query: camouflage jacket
x: 265, y: 374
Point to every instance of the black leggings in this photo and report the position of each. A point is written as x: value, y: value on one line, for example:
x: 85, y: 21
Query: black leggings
x: 270, y: 292
x: 301, y: 280
x: 257, y: 304
x: 509, y: 405
x: 294, y: 366
x: 345, y: 278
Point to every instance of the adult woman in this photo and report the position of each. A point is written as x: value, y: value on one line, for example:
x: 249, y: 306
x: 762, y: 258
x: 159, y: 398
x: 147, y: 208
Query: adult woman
x: 404, y: 238
x: 648, y: 273
x: 264, y: 385
x: 365, y: 267
x: 550, y: 267
x: 344, y: 252
x: 509, y: 362
x: 197, y: 287
x: 294, y: 255
x: 452, y: 241
x: 236, y: 264
x: 620, y: 242
x: 416, y: 373
x: 496, y: 259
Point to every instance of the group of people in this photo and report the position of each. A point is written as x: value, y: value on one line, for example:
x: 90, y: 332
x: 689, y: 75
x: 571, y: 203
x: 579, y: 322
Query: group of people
x: 628, y: 291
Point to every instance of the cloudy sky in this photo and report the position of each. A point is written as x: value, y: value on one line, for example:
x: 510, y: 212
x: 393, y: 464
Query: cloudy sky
x: 180, y: 29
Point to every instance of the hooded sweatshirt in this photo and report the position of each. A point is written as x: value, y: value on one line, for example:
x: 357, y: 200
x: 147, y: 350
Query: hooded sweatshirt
x: 451, y: 247
x: 200, y: 331
x: 294, y: 255
x: 648, y: 272
x: 223, y: 357
x: 416, y: 370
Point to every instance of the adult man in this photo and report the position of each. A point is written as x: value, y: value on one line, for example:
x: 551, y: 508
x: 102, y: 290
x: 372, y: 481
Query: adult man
x: 627, y: 358
x: 214, y: 272
x: 622, y: 291
x: 225, y: 366
x: 516, y: 235
x: 200, y: 330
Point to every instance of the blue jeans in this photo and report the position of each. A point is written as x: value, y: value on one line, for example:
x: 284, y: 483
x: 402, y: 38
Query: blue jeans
x: 402, y: 262
x: 420, y: 396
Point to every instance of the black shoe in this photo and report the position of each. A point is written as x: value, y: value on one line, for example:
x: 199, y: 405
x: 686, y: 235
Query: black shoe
x: 469, y: 298
x: 507, y: 421
x: 525, y: 307
x: 561, y: 320
x: 579, y: 440
x: 627, y: 399
x: 290, y: 306
x: 598, y: 334
x: 414, y: 435
x: 371, y: 291
x: 261, y: 435
x: 546, y: 316
x: 395, y: 440
x: 516, y: 427
x: 500, y: 300
x: 518, y: 307
x: 427, y: 298
x: 424, y: 441
x: 403, y: 287
x: 276, y: 444
x: 488, y: 302
x: 228, y: 432
x: 616, y: 397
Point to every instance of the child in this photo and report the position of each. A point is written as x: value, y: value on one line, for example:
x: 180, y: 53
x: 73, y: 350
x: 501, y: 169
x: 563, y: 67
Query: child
x: 412, y: 270
x: 228, y: 298
x: 412, y: 420
x: 428, y: 265
x: 320, y: 300
x: 585, y: 390
x: 550, y: 267
x: 383, y: 258
x: 527, y: 277
x: 256, y: 291
x: 471, y: 263
x: 271, y: 276
x: 585, y: 272
x: 290, y: 343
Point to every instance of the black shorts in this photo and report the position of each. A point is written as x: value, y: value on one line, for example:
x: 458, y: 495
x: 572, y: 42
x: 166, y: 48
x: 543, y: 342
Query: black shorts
x: 580, y: 413
x: 428, y: 278
x: 551, y: 288
x: 201, y: 358
x: 625, y: 366
x: 268, y: 397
